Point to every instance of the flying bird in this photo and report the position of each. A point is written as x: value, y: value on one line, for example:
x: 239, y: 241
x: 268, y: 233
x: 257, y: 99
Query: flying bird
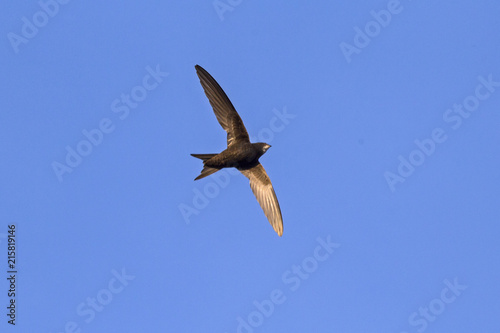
x: 240, y: 152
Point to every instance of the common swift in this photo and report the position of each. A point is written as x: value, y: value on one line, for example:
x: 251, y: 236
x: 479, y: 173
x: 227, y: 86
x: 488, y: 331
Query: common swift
x: 240, y: 152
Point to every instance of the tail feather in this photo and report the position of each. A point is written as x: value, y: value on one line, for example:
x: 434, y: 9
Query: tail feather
x: 207, y: 171
x: 203, y: 157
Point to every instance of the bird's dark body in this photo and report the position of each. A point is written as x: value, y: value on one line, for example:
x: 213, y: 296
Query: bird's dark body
x: 241, y: 156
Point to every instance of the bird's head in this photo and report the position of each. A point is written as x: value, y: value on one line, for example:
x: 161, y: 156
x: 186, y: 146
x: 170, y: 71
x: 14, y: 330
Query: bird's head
x: 263, y: 146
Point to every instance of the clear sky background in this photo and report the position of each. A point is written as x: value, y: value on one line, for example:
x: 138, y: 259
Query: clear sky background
x: 383, y: 118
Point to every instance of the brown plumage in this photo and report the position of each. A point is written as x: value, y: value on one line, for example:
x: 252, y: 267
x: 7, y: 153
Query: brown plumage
x: 240, y: 152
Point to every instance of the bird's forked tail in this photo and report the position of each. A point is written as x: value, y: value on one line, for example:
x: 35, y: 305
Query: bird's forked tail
x: 207, y: 171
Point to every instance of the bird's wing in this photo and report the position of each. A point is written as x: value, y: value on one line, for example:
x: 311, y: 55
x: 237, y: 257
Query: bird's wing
x: 264, y: 192
x: 223, y: 108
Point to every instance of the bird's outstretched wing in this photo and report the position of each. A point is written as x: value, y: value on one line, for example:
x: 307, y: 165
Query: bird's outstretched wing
x: 264, y: 192
x: 223, y: 108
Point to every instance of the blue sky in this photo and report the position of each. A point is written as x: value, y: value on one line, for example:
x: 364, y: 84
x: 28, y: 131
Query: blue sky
x: 383, y: 119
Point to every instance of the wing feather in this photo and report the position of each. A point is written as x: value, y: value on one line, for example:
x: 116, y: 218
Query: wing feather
x: 263, y: 190
x: 223, y: 108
